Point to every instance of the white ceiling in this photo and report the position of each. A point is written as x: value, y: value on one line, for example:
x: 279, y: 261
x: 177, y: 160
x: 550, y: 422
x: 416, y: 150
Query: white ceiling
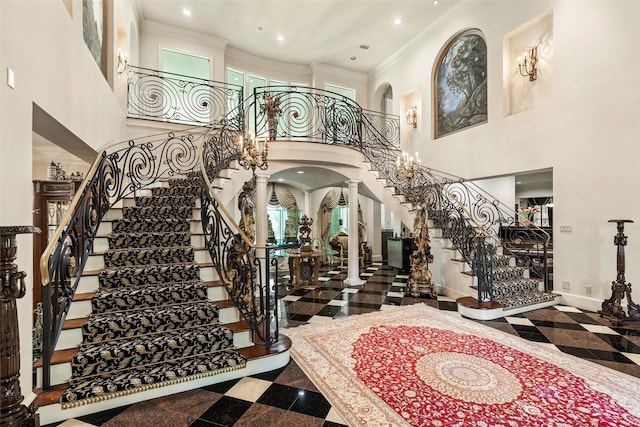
x: 328, y: 32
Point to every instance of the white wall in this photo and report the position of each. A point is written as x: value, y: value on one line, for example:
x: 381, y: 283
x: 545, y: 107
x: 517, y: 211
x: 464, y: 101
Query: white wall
x: 42, y: 43
x: 154, y: 37
x: 587, y: 132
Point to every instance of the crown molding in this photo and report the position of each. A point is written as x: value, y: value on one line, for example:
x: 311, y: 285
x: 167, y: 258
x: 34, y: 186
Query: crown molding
x: 167, y: 30
x: 418, y: 40
x: 341, y: 72
x: 267, y: 63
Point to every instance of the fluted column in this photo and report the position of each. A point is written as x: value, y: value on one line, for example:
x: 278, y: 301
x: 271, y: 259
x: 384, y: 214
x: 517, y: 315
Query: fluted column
x: 262, y: 231
x: 353, y: 278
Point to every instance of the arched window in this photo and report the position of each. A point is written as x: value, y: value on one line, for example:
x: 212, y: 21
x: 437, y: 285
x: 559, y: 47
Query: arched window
x: 460, y: 83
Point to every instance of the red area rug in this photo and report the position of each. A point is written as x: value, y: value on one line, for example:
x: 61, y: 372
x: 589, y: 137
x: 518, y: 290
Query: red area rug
x: 419, y: 366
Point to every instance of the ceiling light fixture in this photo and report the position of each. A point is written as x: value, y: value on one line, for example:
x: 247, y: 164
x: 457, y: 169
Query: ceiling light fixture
x: 397, y: 21
x: 300, y: 172
x: 280, y: 38
x: 364, y: 47
x: 435, y: 1
x: 186, y: 12
x: 353, y: 58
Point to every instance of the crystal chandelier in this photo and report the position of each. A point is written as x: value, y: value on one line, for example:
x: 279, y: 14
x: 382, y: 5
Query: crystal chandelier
x: 407, y: 167
x: 251, y: 155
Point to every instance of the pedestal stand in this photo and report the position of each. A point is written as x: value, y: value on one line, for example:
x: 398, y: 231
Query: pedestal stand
x: 612, y: 307
x: 12, y: 412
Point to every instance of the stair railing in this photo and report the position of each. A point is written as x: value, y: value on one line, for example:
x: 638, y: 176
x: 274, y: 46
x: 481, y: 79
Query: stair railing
x: 118, y: 171
x: 475, y: 221
x: 242, y: 266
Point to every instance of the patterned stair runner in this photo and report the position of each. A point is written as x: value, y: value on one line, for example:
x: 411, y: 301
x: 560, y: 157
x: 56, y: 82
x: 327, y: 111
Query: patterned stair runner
x: 152, y: 323
x: 511, y: 288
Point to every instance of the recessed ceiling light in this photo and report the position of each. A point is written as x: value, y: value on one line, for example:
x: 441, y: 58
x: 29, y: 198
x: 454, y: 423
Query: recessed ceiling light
x: 280, y: 179
x: 435, y: 1
x: 300, y: 171
x: 397, y: 21
x: 259, y: 29
x: 518, y: 182
x: 280, y: 38
x: 364, y: 47
x: 186, y: 12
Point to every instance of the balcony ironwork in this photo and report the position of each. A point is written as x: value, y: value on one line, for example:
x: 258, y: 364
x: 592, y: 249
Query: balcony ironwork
x: 157, y: 95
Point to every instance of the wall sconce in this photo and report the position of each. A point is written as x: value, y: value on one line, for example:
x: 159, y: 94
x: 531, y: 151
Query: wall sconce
x: 527, y: 63
x: 412, y: 116
x: 122, y: 61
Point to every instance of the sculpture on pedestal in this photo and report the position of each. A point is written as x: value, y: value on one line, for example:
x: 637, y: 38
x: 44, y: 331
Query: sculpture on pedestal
x: 420, y: 279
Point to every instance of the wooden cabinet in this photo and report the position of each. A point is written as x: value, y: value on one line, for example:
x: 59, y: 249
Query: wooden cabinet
x: 51, y: 200
x: 399, y: 252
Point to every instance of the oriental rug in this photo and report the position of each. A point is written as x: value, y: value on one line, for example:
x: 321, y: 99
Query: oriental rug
x: 418, y: 366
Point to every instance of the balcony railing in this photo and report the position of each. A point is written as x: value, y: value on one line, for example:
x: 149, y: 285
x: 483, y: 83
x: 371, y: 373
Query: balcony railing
x: 168, y: 97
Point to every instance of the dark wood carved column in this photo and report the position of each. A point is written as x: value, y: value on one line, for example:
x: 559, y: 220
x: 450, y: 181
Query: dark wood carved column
x: 612, y: 307
x: 12, y: 411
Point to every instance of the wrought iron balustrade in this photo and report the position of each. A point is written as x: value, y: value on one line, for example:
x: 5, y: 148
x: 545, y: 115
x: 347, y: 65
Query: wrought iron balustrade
x: 387, y: 125
x: 314, y: 115
x: 118, y: 171
x: 157, y: 95
x: 470, y: 217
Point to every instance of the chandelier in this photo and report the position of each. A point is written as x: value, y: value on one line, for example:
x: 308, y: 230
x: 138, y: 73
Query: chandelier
x: 251, y: 155
x: 407, y: 167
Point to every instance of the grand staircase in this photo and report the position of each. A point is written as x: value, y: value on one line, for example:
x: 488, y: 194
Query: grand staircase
x: 149, y: 311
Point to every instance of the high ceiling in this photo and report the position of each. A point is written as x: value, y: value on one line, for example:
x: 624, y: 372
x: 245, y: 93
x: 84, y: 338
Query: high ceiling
x: 329, y: 32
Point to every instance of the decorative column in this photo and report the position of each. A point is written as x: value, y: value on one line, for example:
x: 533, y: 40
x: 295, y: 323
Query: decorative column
x: 12, y: 411
x: 612, y: 307
x: 353, y: 278
x: 262, y: 230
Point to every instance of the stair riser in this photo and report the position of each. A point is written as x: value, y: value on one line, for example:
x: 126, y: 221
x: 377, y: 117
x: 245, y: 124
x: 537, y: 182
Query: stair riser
x: 116, y: 214
x: 131, y: 202
x: 96, y: 262
x: 101, y: 244
x: 81, y: 309
x: 106, y: 228
x: 91, y: 284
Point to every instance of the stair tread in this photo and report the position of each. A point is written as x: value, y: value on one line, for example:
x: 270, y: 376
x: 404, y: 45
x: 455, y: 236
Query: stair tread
x: 74, y: 323
x: 84, y: 296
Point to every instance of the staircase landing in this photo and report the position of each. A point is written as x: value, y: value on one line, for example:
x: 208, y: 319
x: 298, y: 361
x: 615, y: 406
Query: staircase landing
x: 470, y: 308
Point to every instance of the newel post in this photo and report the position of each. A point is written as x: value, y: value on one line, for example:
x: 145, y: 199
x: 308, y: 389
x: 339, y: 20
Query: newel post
x: 12, y: 411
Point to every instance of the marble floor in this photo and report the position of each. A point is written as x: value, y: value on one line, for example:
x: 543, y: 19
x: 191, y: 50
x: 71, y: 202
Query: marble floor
x: 286, y: 397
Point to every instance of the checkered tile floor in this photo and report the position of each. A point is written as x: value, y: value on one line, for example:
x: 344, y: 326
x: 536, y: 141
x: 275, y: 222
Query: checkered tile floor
x: 286, y: 397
